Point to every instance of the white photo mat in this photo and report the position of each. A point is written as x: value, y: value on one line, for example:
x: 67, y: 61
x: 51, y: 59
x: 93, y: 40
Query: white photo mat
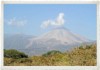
x: 97, y: 67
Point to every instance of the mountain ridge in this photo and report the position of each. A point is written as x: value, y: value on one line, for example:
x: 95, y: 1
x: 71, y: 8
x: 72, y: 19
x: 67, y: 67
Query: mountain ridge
x: 60, y: 39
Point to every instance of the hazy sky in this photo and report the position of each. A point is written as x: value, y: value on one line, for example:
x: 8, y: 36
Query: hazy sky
x: 36, y: 19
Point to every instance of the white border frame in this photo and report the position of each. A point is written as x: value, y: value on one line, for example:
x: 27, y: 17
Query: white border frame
x: 51, y: 67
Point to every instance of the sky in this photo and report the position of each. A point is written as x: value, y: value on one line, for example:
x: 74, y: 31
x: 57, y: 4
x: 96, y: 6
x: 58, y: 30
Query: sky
x: 37, y: 19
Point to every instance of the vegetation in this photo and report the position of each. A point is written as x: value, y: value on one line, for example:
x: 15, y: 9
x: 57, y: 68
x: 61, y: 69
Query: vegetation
x: 80, y: 56
x: 14, y: 54
x: 53, y: 52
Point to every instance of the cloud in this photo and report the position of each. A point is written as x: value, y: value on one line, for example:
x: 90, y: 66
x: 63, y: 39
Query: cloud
x: 16, y: 22
x: 58, y: 22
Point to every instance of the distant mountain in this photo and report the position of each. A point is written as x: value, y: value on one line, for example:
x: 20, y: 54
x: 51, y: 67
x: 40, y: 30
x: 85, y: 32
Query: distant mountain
x: 60, y: 39
x: 16, y: 41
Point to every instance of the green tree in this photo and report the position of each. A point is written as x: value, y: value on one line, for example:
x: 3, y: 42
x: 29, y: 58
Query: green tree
x: 12, y: 53
x: 52, y: 53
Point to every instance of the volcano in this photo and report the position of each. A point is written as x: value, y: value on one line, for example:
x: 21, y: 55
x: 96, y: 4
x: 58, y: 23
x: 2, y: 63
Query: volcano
x: 60, y: 39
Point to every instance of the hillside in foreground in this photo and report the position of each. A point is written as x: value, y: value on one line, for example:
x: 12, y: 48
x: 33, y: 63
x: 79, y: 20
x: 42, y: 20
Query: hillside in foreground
x: 80, y: 56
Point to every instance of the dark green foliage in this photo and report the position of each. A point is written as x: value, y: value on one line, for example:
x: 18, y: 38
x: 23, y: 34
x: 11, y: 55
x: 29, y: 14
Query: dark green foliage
x: 14, y: 54
x: 88, y: 46
x: 52, y: 53
x: 81, y: 47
